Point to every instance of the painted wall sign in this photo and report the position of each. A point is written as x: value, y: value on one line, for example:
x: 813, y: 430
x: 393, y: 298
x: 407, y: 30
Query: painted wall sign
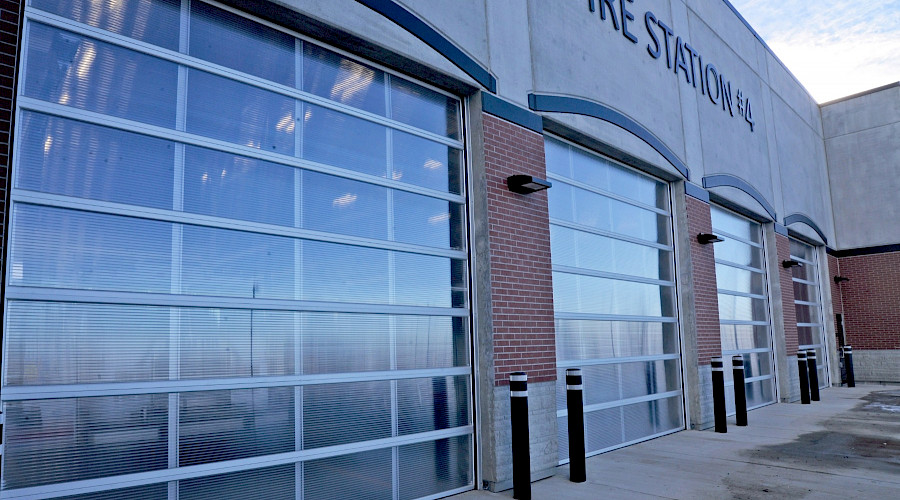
x: 680, y: 56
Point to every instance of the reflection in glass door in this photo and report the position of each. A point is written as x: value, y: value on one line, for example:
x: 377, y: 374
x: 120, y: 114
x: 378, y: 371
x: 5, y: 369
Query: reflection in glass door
x: 614, y: 298
x: 743, y: 306
x: 238, y: 265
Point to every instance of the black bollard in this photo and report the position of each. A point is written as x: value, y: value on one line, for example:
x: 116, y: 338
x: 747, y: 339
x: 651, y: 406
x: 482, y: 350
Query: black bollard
x: 740, y: 394
x: 804, y: 377
x: 848, y: 366
x: 521, y: 454
x: 575, y: 407
x: 813, y: 375
x: 718, y: 382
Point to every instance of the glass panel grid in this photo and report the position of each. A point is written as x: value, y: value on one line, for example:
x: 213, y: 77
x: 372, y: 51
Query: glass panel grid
x: 286, y: 104
x: 614, y: 297
x: 743, y: 306
x: 807, y: 302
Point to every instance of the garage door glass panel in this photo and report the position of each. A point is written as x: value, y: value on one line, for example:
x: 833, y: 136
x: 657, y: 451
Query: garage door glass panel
x: 124, y: 167
x: 614, y: 297
x: 152, y: 22
x: 224, y: 38
x: 598, y: 339
x: 254, y: 118
x: 74, y: 70
x: 60, y: 440
x: 329, y: 75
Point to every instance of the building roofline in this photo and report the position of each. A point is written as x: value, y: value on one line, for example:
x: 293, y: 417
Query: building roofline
x: 860, y: 94
x: 766, y: 45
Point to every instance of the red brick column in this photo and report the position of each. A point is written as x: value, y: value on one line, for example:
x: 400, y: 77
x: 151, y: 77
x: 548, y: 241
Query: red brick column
x: 871, y: 301
x: 706, y: 298
x: 791, y: 340
x: 521, y: 281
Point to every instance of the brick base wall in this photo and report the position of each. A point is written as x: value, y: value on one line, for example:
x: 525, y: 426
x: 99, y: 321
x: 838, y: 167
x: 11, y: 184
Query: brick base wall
x: 791, y: 340
x: 521, y: 281
x: 706, y: 299
x: 871, y: 301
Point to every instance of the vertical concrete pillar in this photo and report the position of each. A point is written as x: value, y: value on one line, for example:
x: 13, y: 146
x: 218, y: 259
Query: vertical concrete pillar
x: 699, y: 302
x: 784, y: 317
x: 831, y: 354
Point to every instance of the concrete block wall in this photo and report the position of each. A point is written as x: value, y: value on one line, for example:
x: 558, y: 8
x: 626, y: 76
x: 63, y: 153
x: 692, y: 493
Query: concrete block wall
x: 542, y: 430
x: 792, y: 392
x: 877, y: 365
x: 706, y: 419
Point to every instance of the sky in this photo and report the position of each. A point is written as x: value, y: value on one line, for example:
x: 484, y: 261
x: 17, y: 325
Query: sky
x: 834, y: 47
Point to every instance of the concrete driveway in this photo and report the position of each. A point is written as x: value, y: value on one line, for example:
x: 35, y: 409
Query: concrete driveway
x: 845, y: 446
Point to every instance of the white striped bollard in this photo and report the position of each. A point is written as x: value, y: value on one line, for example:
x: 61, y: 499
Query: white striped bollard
x: 521, y: 454
x: 718, y: 382
x: 575, y: 407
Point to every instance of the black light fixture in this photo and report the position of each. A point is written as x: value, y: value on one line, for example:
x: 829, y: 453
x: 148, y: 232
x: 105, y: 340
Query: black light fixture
x: 791, y: 263
x: 839, y: 279
x: 526, y: 184
x: 707, y: 238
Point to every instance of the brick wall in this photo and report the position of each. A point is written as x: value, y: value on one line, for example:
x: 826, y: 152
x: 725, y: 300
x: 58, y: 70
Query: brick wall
x: 521, y: 281
x: 871, y: 300
x: 10, y: 14
x: 791, y: 340
x: 706, y: 299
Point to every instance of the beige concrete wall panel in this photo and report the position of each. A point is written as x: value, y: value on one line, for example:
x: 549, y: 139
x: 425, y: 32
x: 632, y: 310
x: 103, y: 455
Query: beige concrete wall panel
x: 729, y: 145
x: 510, y: 48
x: 791, y: 91
x: 861, y: 113
x: 804, y: 184
x: 729, y: 27
x: 576, y: 53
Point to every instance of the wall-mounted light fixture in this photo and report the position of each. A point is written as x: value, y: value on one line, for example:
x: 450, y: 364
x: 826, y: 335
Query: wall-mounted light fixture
x: 839, y: 279
x: 707, y: 238
x: 526, y: 184
x: 791, y: 263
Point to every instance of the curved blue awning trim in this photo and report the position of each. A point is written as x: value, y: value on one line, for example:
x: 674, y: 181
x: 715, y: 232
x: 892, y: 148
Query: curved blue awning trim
x: 421, y: 30
x: 580, y: 106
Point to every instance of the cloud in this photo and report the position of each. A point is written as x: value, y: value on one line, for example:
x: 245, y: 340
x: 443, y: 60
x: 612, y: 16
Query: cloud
x: 835, y: 48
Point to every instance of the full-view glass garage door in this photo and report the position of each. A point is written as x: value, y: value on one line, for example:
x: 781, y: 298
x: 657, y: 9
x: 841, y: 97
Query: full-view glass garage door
x: 236, y: 267
x: 744, y: 306
x: 614, y: 298
x: 808, y: 303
